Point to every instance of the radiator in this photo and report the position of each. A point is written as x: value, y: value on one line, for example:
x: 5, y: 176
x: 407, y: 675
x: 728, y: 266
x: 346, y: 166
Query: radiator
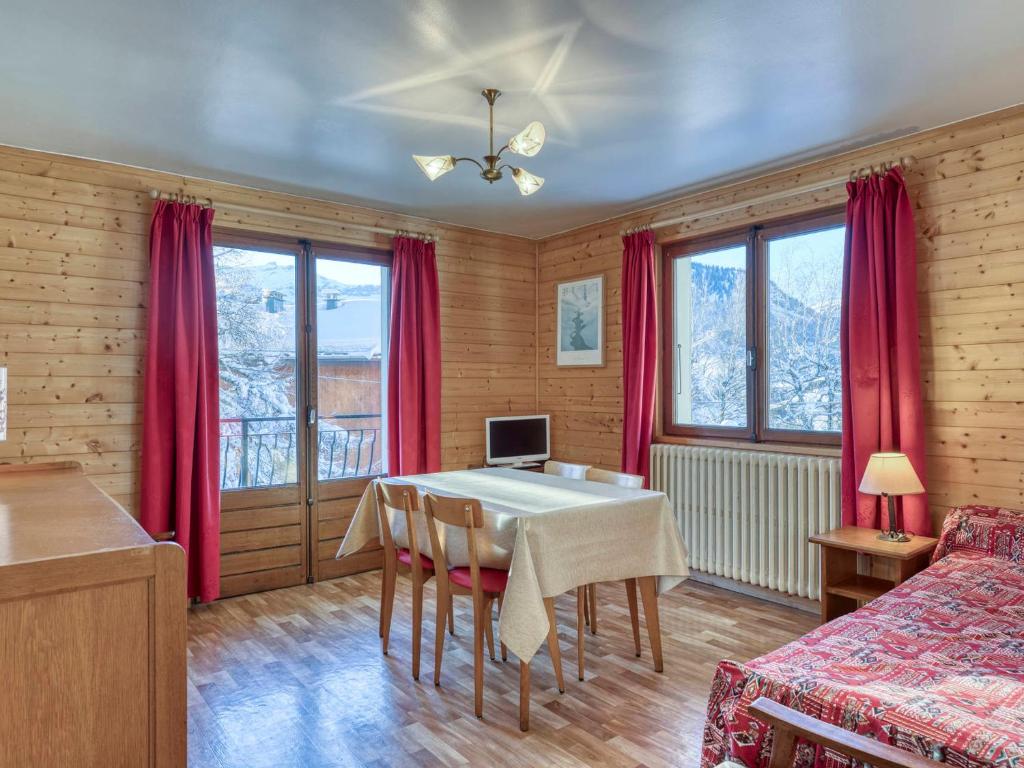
x: 746, y: 514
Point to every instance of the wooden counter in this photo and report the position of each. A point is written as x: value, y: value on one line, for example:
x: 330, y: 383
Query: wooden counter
x: 92, y: 628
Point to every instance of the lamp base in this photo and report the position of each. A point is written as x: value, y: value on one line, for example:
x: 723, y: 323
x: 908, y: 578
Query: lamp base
x: 897, y: 537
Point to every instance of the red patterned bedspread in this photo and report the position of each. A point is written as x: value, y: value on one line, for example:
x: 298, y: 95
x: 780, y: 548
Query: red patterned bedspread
x: 936, y: 666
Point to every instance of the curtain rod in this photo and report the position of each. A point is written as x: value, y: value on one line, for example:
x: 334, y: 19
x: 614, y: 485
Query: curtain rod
x: 864, y: 172
x: 181, y: 197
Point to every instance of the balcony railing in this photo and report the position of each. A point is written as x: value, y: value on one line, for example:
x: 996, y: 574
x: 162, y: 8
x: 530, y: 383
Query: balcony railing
x: 262, y: 451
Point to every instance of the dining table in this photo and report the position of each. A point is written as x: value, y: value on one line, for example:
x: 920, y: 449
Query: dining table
x: 553, y: 534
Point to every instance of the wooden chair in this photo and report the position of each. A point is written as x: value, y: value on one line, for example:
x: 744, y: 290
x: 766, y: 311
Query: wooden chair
x: 562, y: 469
x: 621, y: 479
x: 577, y: 472
x: 404, y: 497
x: 589, y: 593
x: 790, y: 725
x: 485, y: 586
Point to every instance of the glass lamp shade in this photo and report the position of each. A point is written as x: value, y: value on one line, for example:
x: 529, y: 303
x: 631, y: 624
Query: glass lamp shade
x: 891, y: 474
x: 528, y: 141
x: 434, y: 166
x: 3, y: 403
x: 526, y: 181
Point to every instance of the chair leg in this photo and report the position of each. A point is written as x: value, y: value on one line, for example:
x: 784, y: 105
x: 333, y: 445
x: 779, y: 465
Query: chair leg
x: 634, y: 617
x: 451, y: 615
x: 443, y: 607
x: 387, y: 604
x: 586, y: 607
x: 417, y: 625
x: 553, y: 649
x: 489, y: 626
x: 649, y: 595
x: 524, y: 695
x: 592, y: 603
x: 383, y: 595
x: 504, y: 650
x: 581, y: 601
x: 478, y: 657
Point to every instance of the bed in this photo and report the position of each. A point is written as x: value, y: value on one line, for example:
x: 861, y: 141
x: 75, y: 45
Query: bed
x: 936, y: 666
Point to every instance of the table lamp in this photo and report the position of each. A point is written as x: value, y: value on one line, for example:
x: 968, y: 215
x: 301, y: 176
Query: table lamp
x: 888, y: 475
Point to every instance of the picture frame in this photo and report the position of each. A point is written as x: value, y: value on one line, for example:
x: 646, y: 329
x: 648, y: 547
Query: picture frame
x: 579, y: 322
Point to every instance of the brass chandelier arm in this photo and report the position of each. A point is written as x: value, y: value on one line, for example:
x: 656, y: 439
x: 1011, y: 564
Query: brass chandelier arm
x: 470, y: 159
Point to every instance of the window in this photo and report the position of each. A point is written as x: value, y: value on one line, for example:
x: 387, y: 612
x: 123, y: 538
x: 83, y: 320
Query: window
x: 351, y: 350
x: 752, y: 333
x: 302, y: 329
x: 256, y: 341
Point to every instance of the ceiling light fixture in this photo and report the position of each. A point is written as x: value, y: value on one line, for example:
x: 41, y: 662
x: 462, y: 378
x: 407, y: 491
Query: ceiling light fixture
x: 527, y: 142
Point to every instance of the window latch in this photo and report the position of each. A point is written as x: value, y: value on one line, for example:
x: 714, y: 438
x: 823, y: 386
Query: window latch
x: 752, y: 358
x: 311, y: 416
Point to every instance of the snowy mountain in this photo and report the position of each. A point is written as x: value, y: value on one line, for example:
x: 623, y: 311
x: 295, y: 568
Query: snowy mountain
x: 802, y: 355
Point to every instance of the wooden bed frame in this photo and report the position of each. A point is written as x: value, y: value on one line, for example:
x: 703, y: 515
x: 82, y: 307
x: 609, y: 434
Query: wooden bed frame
x: 791, y: 725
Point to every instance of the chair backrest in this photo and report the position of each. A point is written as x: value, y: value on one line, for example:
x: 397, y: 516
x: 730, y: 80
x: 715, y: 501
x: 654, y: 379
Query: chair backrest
x: 458, y: 512
x: 615, y: 478
x: 562, y: 469
x: 405, y: 497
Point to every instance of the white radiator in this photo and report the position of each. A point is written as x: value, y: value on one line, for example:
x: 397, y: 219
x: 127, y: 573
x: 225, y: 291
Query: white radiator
x: 746, y: 515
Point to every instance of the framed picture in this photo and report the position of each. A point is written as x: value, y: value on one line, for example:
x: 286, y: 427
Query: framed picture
x: 579, y: 334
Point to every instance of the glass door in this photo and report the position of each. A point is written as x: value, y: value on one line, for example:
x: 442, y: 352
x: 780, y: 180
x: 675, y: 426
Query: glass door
x: 260, y: 316
x: 349, y: 304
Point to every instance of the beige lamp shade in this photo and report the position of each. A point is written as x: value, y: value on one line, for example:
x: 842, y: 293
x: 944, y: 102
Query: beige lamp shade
x: 526, y: 181
x: 3, y: 402
x: 434, y: 166
x: 890, y: 474
x: 529, y: 140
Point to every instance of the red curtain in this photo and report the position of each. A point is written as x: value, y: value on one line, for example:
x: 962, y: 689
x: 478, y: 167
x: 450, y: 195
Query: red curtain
x: 639, y: 351
x: 180, y: 429
x: 414, y: 360
x: 882, y: 408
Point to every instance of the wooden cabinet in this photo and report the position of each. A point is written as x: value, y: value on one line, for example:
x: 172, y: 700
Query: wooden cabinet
x: 92, y: 628
x: 857, y: 566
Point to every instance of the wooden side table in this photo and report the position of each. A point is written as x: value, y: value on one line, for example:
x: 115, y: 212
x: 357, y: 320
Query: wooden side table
x: 843, y: 587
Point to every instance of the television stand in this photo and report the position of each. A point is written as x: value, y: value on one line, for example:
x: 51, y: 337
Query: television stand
x: 532, y: 466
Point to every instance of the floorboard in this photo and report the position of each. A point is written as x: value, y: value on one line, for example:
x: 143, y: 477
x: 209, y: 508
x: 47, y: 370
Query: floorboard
x: 295, y: 677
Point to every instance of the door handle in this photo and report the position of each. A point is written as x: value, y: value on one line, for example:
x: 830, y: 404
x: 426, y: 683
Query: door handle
x: 679, y: 369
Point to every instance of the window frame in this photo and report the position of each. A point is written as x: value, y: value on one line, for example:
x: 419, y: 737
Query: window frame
x: 281, y: 493
x: 358, y: 254
x: 306, y: 251
x: 670, y: 254
x: 756, y: 238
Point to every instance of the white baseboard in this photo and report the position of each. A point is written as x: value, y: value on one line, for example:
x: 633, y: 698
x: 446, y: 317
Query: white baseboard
x: 762, y: 593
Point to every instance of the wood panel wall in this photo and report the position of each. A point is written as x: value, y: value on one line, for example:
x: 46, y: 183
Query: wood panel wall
x: 969, y: 198
x: 73, y: 272
x: 73, y: 292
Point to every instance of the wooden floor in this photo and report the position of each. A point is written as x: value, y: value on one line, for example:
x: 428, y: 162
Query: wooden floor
x: 295, y: 677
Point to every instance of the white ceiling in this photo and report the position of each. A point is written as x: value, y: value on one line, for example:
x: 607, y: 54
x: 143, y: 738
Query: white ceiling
x: 640, y: 99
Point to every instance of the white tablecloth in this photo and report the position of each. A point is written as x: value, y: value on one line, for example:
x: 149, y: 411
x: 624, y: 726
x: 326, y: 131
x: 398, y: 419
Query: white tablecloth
x: 552, y: 533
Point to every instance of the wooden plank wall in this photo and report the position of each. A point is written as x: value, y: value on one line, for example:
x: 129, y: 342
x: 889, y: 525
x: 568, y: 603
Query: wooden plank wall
x: 969, y: 198
x: 73, y: 288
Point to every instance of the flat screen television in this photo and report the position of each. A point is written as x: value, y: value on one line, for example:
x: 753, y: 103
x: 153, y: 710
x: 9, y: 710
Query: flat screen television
x: 517, y: 439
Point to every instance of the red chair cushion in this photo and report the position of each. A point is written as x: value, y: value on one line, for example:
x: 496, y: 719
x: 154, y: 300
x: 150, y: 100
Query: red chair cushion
x: 405, y: 556
x: 491, y: 579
